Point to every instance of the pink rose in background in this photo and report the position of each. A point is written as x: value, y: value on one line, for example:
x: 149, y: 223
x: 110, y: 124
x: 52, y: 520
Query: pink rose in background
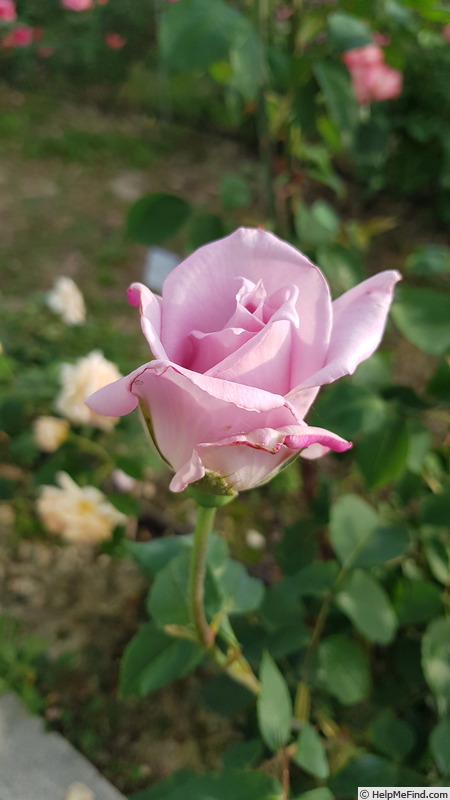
x: 22, y: 36
x: 77, y: 5
x: 242, y: 338
x: 7, y: 11
x: 114, y: 41
x: 376, y: 83
x: 446, y: 32
x: 372, y: 79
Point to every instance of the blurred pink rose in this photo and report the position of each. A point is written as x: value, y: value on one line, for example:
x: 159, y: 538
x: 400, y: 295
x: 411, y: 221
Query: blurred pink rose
x: 114, y: 41
x: 372, y: 79
x: 22, y: 36
x: 360, y: 57
x: 446, y: 32
x: 77, y: 5
x: 7, y: 11
x: 243, y: 337
x: 376, y: 83
x: 284, y: 12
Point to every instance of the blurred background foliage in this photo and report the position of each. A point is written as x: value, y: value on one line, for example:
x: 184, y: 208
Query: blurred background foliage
x: 350, y: 579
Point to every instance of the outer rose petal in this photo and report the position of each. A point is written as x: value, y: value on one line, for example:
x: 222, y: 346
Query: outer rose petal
x: 204, y: 288
x: 247, y: 460
x: 359, y: 320
x: 187, y: 408
x: 151, y: 313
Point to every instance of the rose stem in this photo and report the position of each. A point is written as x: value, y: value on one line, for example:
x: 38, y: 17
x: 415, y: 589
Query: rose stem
x: 205, y: 520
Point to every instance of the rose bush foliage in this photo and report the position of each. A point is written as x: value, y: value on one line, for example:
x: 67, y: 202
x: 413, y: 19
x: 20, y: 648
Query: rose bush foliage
x: 242, y: 338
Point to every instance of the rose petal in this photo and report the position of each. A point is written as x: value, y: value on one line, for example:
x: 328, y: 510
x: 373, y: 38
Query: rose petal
x: 359, y: 320
x: 151, y: 313
x: 203, y: 288
x: 264, y: 361
x: 247, y: 460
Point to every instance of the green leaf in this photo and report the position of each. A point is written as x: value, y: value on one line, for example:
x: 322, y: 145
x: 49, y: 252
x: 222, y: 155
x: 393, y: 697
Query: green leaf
x: 234, y: 192
x: 243, y: 754
x: 371, y: 770
x: 366, y: 603
x: 342, y: 268
x: 439, y: 383
x: 298, y: 546
x: 357, y: 537
x: 392, y: 736
x: 152, y: 659
x: 317, y: 223
x: 344, y: 669
x: 316, y: 579
x: 240, y: 593
x: 346, y: 31
x: 274, y: 706
x: 310, y: 753
x: 435, y: 509
x: 437, y: 553
x: 440, y: 746
x: 224, y: 696
x: 125, y: 503
x: 316, y: 794
x: 247, y: 61
x: 153, y: 556
x: 422, y: 316
x: 436, y: 662
x: 169, y: 596
x: 156, y: 217
x: 348, y: 410
x: 416, y: 601
x: 198, y: 33
x: 381, y: 455
x: 338, y: 94
x: 433, y: 259
x: 204, y: 229
x: 235, y: 784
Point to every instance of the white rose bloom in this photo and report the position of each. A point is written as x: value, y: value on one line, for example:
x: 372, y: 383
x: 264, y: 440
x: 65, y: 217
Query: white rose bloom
x: 50, y: 433
x: 78, y: 381
x: 78, y: 514
x: 66, y: 300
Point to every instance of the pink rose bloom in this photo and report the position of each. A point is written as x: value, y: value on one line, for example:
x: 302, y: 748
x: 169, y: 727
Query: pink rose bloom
x: 242, y: 338
x: 22, y: 36
x: 7, y: 11
x: 114, y: 41
x: 446, y: 32
x: 366, y: 56
x: 77, y: 5
x: 376, y: 83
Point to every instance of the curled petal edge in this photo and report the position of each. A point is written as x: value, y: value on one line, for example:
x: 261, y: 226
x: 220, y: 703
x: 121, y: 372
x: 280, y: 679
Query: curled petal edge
x: 292, y: 437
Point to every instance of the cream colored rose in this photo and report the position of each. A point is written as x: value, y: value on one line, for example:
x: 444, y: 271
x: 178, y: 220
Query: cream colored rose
x: 66, y: 300
x: 78, y: 514
x: 78, y: 381
x: 50, y: 433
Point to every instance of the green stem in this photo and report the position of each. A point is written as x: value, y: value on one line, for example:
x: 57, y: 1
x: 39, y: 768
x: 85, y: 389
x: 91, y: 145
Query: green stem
x: 205, y: 520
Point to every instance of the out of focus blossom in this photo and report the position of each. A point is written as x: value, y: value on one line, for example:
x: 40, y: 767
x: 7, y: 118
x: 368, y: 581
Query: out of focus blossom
x: 114, y: 41
x: 78, y: 514
x: 372, y: 79
x: 446, y: 32
x: 50, y: 433
x: 376, y: 83
x: 22, y: 36
x: 7, y: 11
x: 78, y: 381
x: 359, y: 57
x: 381, y: 39
x: 122, y: 481
x: 77, y: 5
x: 66, y: 300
